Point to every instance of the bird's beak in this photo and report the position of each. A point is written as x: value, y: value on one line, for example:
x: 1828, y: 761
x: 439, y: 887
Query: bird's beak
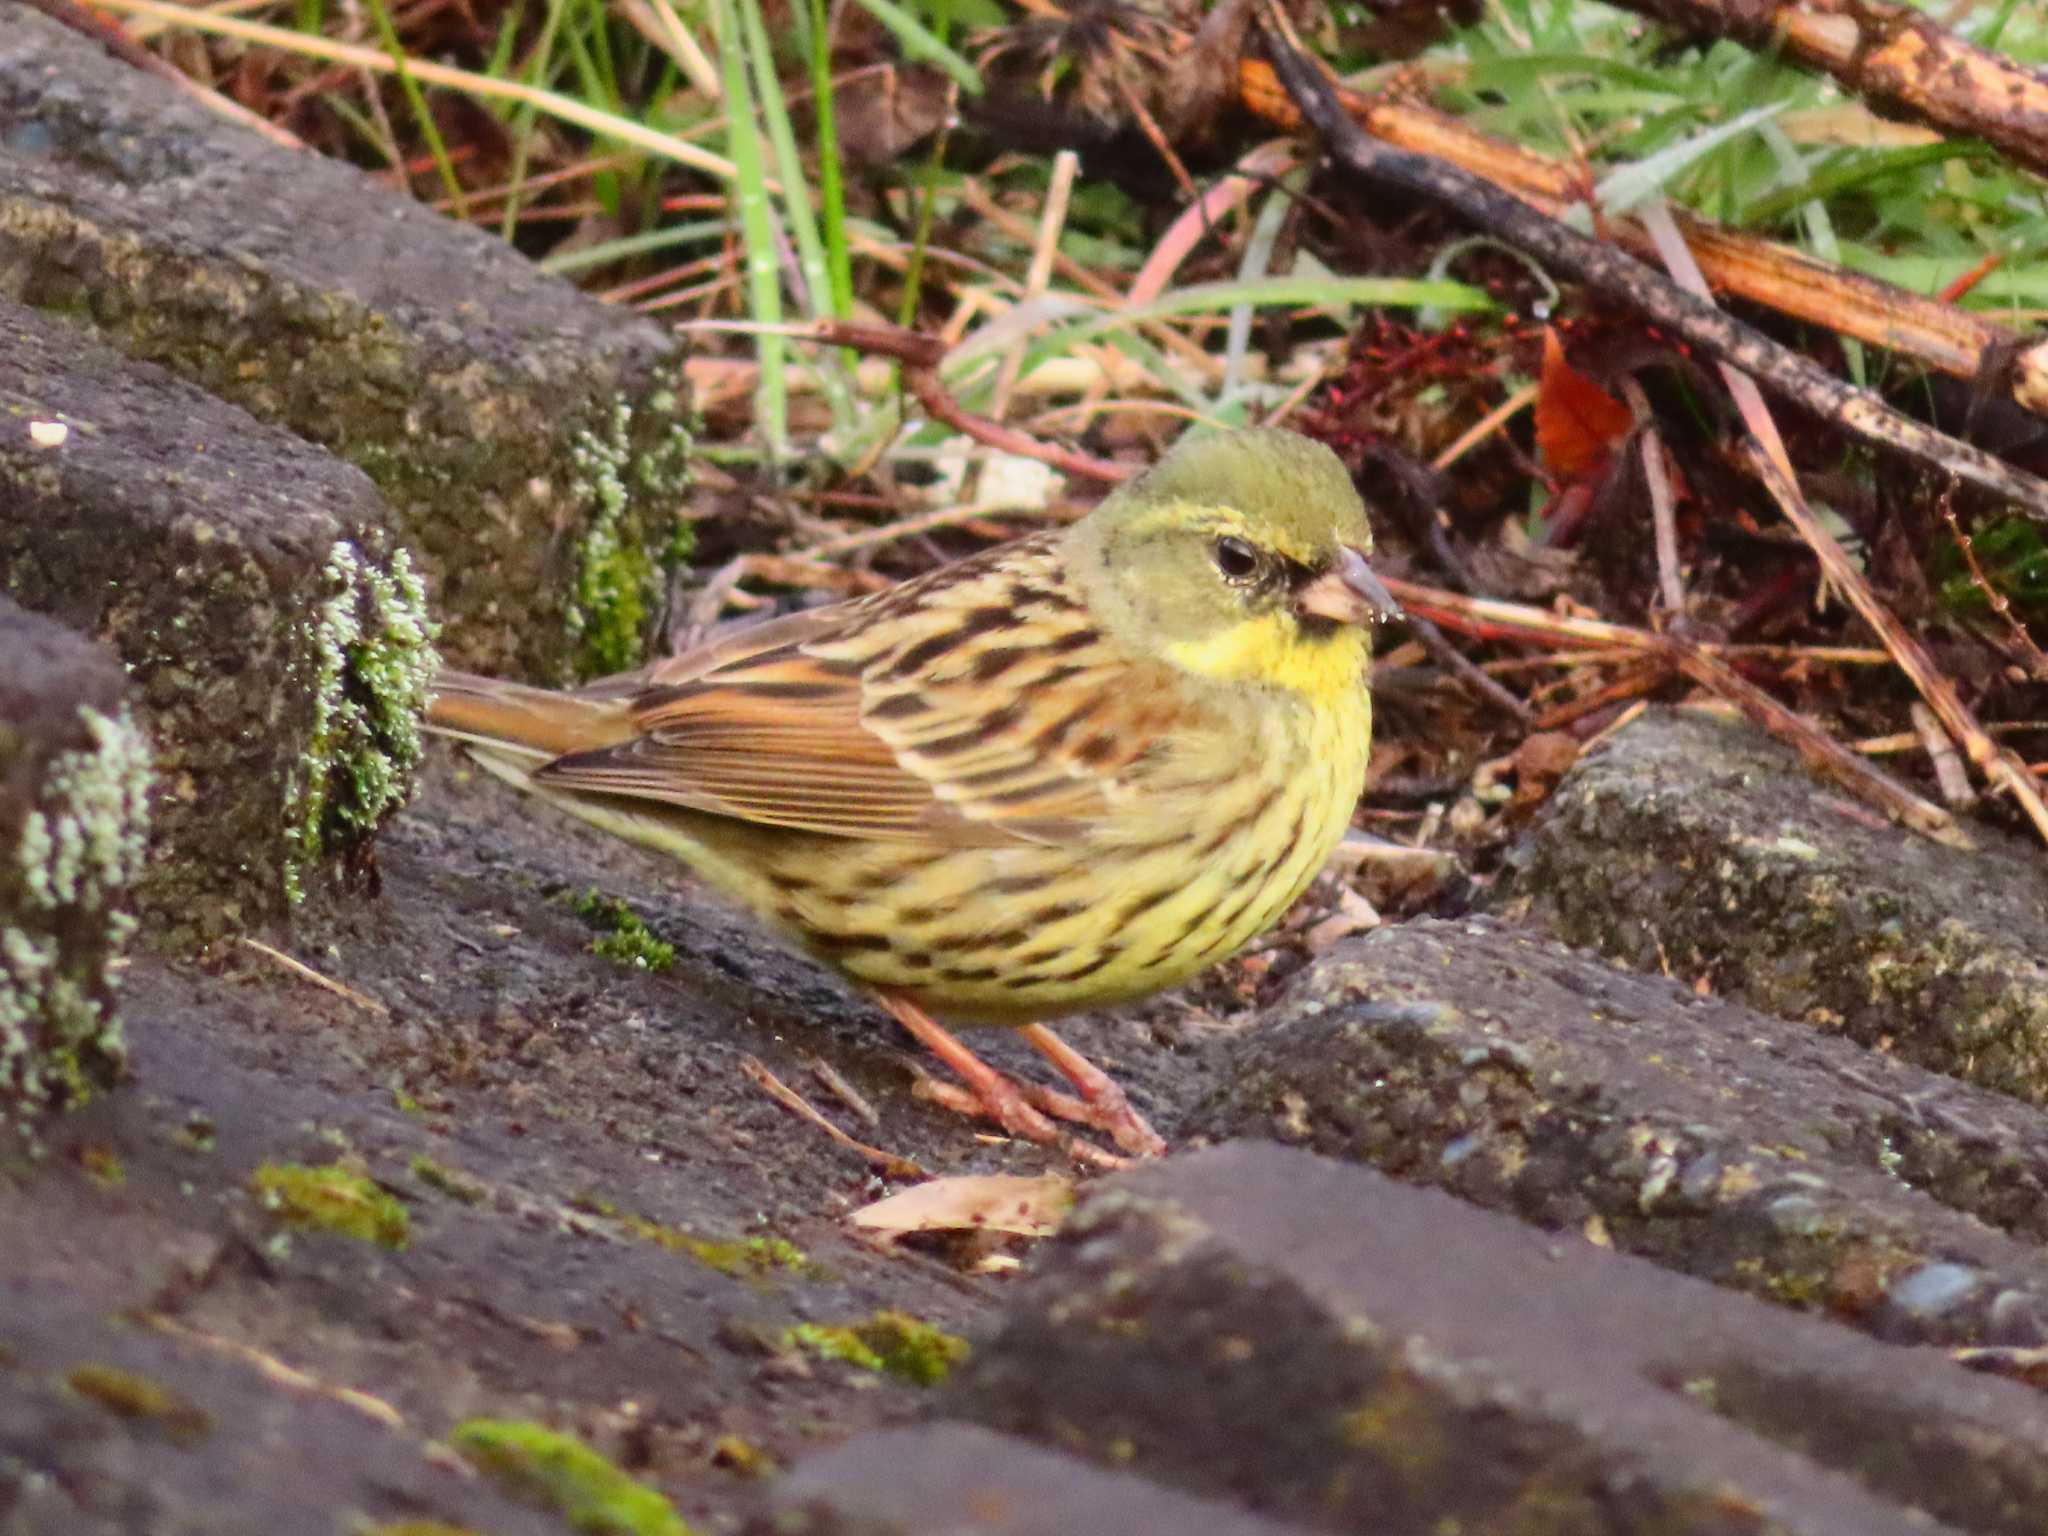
x: 1348, y: 592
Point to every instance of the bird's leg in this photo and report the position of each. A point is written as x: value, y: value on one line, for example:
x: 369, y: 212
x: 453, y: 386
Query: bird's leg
x: 994, y: 1094
x: 1102, y: 1101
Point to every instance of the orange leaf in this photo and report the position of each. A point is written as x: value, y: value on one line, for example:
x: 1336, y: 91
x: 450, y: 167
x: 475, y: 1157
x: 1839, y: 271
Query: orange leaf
x: 1577, y: 422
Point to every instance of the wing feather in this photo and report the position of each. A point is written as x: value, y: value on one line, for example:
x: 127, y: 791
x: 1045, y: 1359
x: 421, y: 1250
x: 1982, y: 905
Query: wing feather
x: 979, y: 704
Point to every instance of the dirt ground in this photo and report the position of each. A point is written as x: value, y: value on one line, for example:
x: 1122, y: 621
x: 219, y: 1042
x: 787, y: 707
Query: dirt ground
x: 559, y: 1128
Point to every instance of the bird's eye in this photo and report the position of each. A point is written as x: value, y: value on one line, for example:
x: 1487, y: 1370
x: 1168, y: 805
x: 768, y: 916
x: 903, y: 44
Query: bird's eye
x: 1237, y: 560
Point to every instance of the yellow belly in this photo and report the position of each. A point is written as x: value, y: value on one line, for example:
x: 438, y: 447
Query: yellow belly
x: 1024, y: 932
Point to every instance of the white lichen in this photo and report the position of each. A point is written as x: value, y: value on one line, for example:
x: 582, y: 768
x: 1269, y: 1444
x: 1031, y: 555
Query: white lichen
x: 618, y: 577
x: 372, y: 662
x: 78, y: 853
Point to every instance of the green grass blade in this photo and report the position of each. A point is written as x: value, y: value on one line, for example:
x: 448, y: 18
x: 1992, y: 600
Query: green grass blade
x: 801, y: 218
x: 758, y: 231
x: 920, y: 44
x: 831, y: 182
x: 417, y: 100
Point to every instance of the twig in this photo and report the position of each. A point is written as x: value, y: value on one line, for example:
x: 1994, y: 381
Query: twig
x: 1898, y: 57
x: 274, y: 1369
x: 1938, y: 335
x: 1622, y: 280
x: 1494, y: 618
x: 1949, y: 771
x: 2037, y: 662
x: 836, y: 1084
x: 306, y: 973
x: 895, y: 1167
x: 1765, y: 451
x: 921, y: 356
x: 1051, y: 222
x: 1663, y: 514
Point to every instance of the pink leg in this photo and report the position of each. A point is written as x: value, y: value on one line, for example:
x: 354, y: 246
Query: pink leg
x: 1103, y: 1101
x: 996, y: 1096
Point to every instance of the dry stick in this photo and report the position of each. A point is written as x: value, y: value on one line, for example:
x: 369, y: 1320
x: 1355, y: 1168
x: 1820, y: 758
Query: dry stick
x: 1765, y: 450
x: 2000, y: 765
x: 1493, y: 618
x: 921, y: 356
x: 1896, y: 57
x: 2037, y: 661
x: 889, y: 1162
x: 1663, y: 514
x: 305, y: 972
x: 1627, y: 282
x: 1052, y: 221
x: 1931, y: 331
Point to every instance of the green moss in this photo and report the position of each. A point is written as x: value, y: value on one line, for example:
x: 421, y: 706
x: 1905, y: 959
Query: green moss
x: 102, y: 1165
x: 738, y: 1454
x: 80, y: 851
x: 562, y: 1473
x: 889, y: 1341
x: 620, y: 576
x: 627, y: 940
x: 452, y: 1182
x: 372, y: 656
x: 333, y: 1198
x: 744, y: 1257
x: 144, y: 1401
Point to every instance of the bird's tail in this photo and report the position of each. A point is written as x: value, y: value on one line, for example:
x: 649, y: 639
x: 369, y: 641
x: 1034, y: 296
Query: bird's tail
x: 517, y: 728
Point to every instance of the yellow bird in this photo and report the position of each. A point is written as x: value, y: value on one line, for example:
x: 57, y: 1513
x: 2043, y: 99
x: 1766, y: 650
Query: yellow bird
x: 1060, y: 775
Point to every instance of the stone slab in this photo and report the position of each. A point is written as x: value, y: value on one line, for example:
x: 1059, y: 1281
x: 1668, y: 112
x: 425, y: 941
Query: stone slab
x: 960, y: 1480
x: 74, y: 812
x: 275, y: 632
x: 529, y: 439
x: 1703, y: 849
x: 1746, y: 1149
x: 1325, y: 1345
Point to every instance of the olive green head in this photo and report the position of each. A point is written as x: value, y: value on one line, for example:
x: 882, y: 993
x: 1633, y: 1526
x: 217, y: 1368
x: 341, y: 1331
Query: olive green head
x: 1239, y: 557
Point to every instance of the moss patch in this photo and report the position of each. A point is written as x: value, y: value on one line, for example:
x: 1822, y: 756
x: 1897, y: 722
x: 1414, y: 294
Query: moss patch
x: 620, y: 578
x: 371, y: 650
x: 746, y: 1256
x: 889, y: 1341
x: 626, y: 939
x: 561, y: 1472
x: 137, y: 1398
x: 332, y: 1198
x: 452, y: 1182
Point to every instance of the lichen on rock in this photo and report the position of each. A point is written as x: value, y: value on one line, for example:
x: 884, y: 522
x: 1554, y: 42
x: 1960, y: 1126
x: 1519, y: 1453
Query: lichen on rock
x: 63, y: 925
x: 371, y: 656
x: 619, y: 576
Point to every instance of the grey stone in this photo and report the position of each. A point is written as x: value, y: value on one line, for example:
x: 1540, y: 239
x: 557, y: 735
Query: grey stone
x: 74, y: 823
x: 958, y: 1480
x: 529, y: 439
x: 1704, y: 850
x: 275, y: 632
x: 1744, y: 1149
x: 1327, y: 1346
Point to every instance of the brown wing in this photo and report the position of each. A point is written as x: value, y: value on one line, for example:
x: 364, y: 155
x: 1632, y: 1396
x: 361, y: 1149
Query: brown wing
x: 975, y: 705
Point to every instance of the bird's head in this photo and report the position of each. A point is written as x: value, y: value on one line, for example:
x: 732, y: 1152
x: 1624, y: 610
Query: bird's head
x: 1239, y: 558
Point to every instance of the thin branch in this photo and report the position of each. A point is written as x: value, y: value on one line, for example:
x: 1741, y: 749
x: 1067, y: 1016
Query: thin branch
x: 1622, y: 280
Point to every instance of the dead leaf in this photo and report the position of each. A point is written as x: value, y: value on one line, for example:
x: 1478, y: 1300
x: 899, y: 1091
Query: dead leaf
x: 990, y: 1202
x: 1578, y: 423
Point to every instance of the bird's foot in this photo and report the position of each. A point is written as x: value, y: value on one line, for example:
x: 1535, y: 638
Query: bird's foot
x: 1102, y: 1104
x: 964, y: 1101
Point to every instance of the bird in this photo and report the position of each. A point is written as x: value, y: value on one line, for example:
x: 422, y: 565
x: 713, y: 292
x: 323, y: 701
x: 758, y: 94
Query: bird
x: 1062, y: 774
